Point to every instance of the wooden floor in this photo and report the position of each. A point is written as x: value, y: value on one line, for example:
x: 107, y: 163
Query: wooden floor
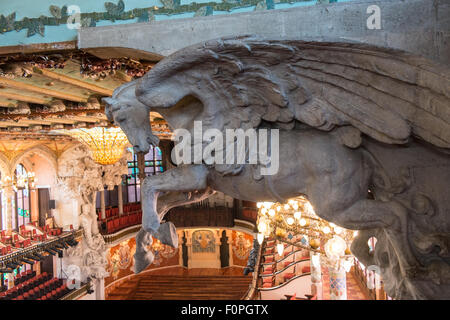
x: 184, y: 284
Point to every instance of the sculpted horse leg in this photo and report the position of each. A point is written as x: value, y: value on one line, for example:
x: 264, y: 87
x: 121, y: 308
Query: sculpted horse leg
x: 166, y: 232
x: 143, y: 256
x: 184, y: 178
x: 175, y: 199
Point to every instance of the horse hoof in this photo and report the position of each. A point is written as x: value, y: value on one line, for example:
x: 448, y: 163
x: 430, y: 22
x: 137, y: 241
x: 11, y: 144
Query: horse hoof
x: 142, y: 261
x: 167, y: 234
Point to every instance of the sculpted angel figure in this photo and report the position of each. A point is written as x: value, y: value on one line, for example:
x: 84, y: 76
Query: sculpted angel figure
x: 352, y: 118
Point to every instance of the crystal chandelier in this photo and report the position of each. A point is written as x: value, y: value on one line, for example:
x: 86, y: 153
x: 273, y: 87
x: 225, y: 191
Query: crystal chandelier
x: 106, y: 144
x: 19, y: 181
x: 297, y: 219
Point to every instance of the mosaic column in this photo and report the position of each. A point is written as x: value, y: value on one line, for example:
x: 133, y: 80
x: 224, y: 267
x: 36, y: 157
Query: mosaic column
x: 8, y: 194
x: 10, y: 277
x: 316, y: 275
x: 338, y: 284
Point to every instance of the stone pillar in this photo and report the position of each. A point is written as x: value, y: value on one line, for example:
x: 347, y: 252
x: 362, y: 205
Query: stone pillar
x: 100, y: 289
x: 316, y: 275
x: 120, y: 198
x: 180, y: 247
x: 10, y: 277
x: 102, y: 203
x: 34, y: 208
x: 57, y: 266
x: 338, y: 284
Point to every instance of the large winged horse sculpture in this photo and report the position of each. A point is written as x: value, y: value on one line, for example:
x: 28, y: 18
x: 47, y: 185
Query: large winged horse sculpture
x: 352, y: 118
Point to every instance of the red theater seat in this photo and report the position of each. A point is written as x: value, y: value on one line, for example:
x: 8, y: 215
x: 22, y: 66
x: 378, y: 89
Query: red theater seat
x: 306, y: 269
x: 288, y: 276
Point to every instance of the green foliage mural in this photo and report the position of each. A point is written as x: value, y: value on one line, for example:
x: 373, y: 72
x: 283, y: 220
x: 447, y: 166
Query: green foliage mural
x: 116, y: 11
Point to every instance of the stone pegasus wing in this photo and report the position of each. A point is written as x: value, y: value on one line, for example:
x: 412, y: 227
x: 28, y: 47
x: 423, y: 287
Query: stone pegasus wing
x: 384, y: 93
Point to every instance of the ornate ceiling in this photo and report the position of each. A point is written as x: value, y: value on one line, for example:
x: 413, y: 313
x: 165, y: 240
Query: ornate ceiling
x: 60, y: 90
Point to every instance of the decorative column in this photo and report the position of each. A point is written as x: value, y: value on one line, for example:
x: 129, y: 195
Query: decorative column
x: 10, y: 277
x: 100, y: 289
x: 8, y: 193
x: 180, y: 247
x: 120, y: 198
x: 316, y: 275
x: 102, y: 203
x: 189, y: 247
x: 338, y: 266
x: 217, y: 244
x: 338, y: 283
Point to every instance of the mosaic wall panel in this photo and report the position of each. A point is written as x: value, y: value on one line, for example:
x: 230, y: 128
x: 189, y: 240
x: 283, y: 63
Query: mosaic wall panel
x: 203, y: 241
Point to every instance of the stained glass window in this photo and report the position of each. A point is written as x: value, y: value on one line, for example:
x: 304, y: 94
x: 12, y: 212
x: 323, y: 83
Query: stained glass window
x: 131, y: 183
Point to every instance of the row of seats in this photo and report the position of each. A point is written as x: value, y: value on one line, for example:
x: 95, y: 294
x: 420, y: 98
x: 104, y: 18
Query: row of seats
x: 34, y: 286
x: 5, y: 250
x: 131, y: 207
x: 123, y: 221
x: 114, y: 212
x: 24, y: 276
x: 23, y: 244
x: 15, y: 240
x: 54, y: 231
x: 53, y: 289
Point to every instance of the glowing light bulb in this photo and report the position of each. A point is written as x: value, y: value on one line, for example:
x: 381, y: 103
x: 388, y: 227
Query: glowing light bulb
x: 262, y: 227
x: 295, y: 206
x: 263, y: 210
x: 271, y: 212
x: 338, y: 230
x: 260, y: 238
x: 302, y: 222
x: 268, y: 204
x: 290, y: 220
x: 286, y: 206
x: 297, y: 215
x: 332, y: 225
x: 278, y: 208
x: 259, y: 205
x: 355, y: 233
x: 326, y: 230
x: 335, y: 247
x: 280, y: 249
